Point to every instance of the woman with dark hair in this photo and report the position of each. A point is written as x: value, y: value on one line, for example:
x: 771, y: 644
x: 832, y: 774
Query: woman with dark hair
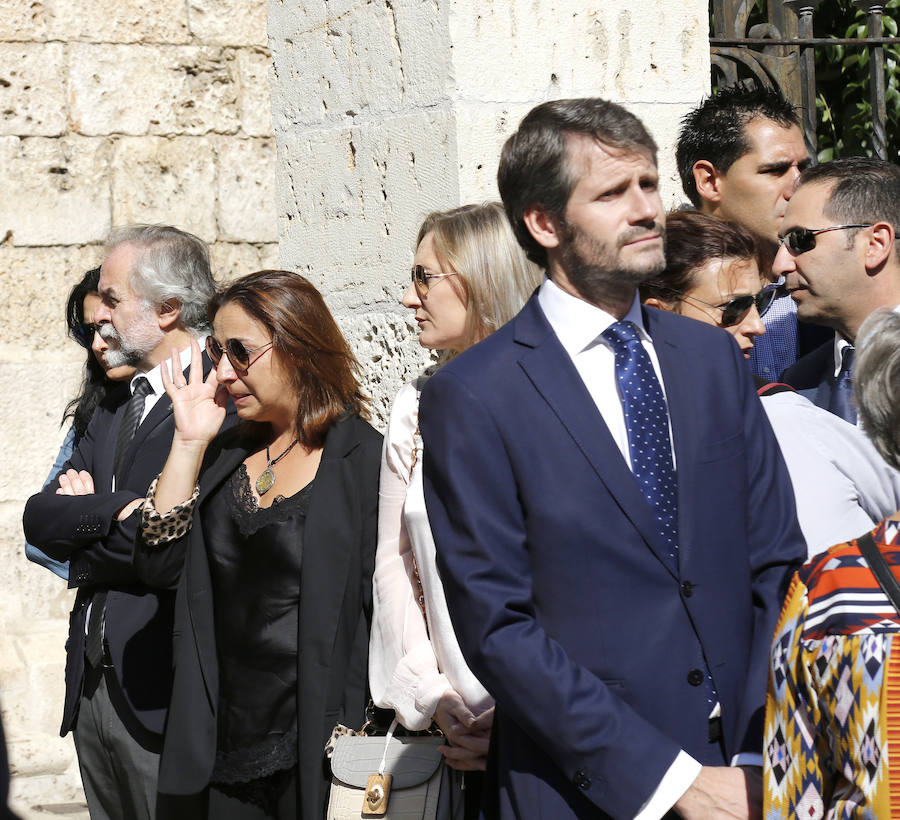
x: 274, y: 524
x: 80, y: 306
x: 841, y: 485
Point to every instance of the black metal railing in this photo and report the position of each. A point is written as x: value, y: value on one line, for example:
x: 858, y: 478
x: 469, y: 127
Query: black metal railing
x: 781, y: 53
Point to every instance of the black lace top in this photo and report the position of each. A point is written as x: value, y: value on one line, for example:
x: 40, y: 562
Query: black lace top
x: 255, y: 557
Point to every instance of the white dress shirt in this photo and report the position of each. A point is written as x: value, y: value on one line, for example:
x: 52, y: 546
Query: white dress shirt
x: 579, y: 325
x: 842, y: 487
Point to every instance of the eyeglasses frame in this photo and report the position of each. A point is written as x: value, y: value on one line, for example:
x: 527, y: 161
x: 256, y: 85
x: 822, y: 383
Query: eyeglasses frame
x: 238, y: 367
x: 813, y: 232
x: 419, y: 279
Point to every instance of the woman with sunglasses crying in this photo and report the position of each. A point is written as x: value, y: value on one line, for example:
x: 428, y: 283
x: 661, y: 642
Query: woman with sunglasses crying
x: 842, y: 487
x: 469, y: 277
x: 269, y: 531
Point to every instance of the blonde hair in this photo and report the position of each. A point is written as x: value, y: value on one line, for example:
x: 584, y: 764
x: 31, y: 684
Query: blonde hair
x: 477, y: 242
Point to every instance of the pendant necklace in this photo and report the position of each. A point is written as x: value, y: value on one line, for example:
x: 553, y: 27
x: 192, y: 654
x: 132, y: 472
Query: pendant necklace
x: 267, y: 477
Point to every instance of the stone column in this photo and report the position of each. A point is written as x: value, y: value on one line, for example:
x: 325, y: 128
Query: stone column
x: 386, y: 110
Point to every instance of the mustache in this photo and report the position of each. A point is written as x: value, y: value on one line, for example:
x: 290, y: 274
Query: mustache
x: 109, y: 333
x: 643, y: 232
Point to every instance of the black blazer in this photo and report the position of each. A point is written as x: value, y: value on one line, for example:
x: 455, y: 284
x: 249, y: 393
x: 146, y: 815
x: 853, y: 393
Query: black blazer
x: 812, y: 375
x: 84, y: 530
x: 335, y: 613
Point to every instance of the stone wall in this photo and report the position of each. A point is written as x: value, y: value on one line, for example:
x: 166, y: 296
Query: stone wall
x: 111, y: 111
x: 404, y: 109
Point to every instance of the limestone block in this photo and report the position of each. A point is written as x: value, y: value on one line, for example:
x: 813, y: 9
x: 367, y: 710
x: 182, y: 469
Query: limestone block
x: 615, y: 50
x: 256, y: 101
x: 183, y: 90
x: 246, y: 190
x: 230, y: 260
x: 42, y: 389
x: 24, y: 20
x: 49, y: 796
x: 32, y: 89
x: 35, y: 283
x: 229, y: 22
x: 117, y: 21
x: 39, y: 754
x: 57, y: 190
x: 166, y: 180
x: 351, y: 229
x: 386, y: 344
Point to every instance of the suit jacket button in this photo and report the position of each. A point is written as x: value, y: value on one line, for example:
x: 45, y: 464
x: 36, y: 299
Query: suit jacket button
x: 582, y: 780
x: 695, y: 677
x: 687, y: 589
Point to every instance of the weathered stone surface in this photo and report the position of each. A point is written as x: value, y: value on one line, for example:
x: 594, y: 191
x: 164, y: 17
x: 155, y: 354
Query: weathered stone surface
x: 47, y: 797
x: 57, y: 190
x: 230, y: 260
x: 25, y: 68
x: 350, y: 202
x: 213, y: 21
x: 166, y: 180
x: 246, y: 190
x: 100, y: 21
x: 256, y: 105
x: 35, y: 283
x: 183, y: 90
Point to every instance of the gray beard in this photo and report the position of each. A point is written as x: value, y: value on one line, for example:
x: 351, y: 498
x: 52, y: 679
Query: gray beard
x: 143, y: 337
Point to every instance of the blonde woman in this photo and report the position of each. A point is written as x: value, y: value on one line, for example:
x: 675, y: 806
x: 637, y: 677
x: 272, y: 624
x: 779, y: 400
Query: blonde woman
x: 468, y: 279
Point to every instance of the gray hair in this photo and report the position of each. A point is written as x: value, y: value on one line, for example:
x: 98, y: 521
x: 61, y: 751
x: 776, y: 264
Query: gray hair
x: 170, y: 265
x: 876, y: 382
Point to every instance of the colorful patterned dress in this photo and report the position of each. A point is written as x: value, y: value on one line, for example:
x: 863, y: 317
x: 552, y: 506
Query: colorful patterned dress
x: 833, y: 705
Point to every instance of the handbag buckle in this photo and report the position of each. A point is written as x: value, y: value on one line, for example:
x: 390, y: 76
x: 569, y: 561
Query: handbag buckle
x: 378, y: 788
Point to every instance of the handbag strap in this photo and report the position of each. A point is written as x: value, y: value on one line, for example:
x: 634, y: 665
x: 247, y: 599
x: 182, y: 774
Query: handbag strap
x: 387, y: 743
x: 880, y: 569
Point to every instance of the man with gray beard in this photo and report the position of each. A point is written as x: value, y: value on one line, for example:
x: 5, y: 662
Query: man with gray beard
x: 155, y: 283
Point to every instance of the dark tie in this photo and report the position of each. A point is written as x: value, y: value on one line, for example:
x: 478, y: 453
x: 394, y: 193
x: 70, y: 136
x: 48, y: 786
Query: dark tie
x: 131, y: 420
x: 841, y: 403
x: 647, y: 425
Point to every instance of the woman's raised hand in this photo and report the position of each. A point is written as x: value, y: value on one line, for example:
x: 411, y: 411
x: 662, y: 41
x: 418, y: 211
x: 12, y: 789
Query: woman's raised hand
x: 198, y: 404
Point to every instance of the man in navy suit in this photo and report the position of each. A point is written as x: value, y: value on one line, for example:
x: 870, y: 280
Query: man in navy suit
x: 615, y: 526
x: 839, y: 256
x: 155, y: 284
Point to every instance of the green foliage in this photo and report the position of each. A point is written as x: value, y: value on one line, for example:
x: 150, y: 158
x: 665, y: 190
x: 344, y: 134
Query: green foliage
x: 842, y: 83
x: 844, y: 112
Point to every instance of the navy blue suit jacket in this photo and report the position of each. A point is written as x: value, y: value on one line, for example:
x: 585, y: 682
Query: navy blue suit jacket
x: 813, y: 375
x: 555, y: 575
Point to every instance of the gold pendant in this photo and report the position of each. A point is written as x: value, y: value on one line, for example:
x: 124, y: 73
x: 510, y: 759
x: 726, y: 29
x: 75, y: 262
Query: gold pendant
x: 265, y: 481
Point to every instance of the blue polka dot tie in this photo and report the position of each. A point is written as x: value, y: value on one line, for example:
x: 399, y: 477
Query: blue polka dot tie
x: 647, y: 424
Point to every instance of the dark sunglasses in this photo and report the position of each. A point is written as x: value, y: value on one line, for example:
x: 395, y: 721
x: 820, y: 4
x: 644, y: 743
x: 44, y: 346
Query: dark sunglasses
x: 735, y: 310
x: 83, y: 333
x: 237, y: 354
x: 801, y: 240
x: 421, y: 275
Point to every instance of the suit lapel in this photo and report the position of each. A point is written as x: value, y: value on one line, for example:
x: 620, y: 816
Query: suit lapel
x: 554, y: 376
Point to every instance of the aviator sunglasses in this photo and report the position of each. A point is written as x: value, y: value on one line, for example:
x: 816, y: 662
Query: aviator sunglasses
x: 734, y: 310
x: 421, y: 275
x: 237, y: 354
x: 801, y: 240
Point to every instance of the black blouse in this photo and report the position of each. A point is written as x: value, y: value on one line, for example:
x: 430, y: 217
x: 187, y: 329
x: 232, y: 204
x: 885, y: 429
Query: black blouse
x: 255, y: 558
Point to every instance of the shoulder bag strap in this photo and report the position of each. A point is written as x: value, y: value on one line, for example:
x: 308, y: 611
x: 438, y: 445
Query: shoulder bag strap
x: 880, y: 569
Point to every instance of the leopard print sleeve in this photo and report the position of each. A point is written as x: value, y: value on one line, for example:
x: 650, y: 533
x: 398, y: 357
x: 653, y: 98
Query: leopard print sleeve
x: 158, y: 529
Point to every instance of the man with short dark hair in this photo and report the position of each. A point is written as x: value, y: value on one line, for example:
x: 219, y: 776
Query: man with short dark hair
x: 619, y: 610
x: 840, y: 257
x: 739, y: 155
x: 155, y: 283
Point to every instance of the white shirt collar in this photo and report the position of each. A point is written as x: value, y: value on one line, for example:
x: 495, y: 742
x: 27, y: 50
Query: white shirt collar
x: 579, y: 324
x: 154, y: 376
